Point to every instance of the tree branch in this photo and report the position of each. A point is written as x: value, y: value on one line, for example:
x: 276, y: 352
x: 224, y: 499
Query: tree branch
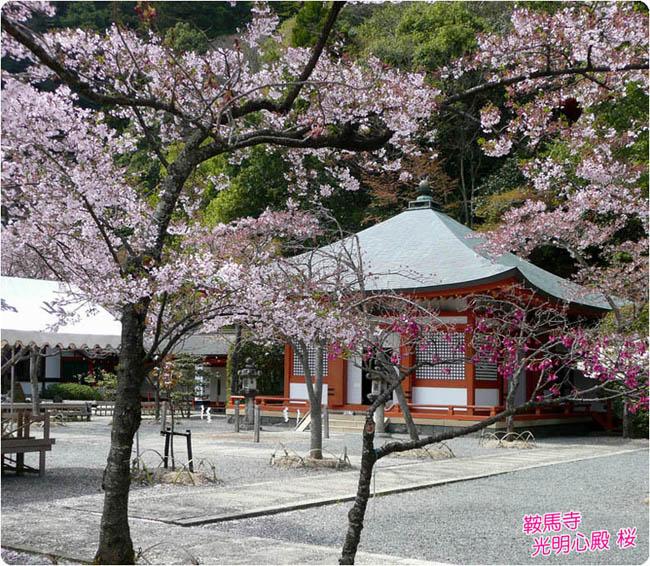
x: 26, y: 38
x: 284, y: 106
x: 538, y: 75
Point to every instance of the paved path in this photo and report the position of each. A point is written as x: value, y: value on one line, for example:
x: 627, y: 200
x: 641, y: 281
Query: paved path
x: 166, y: 523
x: 393, y: 476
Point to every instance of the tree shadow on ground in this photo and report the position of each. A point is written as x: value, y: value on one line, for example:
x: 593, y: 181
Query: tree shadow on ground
x: 57, y: 483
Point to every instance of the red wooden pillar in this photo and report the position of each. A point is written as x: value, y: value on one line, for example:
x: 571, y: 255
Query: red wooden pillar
x: 336, y: 382
x: 408, y: 360
x: 470, y: 375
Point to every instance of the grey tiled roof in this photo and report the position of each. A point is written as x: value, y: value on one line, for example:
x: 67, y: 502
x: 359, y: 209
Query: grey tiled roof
x: 424, y: 249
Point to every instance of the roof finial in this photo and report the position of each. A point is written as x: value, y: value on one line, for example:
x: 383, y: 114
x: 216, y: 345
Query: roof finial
x: 425, y: 196
x: 424, y: 188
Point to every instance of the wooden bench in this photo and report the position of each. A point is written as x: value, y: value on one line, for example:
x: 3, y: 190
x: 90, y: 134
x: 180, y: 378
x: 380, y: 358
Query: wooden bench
x: 17, y: 439
x: 64, y: 410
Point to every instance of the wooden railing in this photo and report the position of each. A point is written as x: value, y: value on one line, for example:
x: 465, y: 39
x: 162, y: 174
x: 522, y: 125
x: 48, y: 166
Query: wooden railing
x: 272, y: 402
x: 446, y: 410
x: 461, y: 412
x: 422, y: 410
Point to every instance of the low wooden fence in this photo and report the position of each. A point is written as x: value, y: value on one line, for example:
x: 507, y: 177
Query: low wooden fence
x: 106, y: 408
x: 60, y: 411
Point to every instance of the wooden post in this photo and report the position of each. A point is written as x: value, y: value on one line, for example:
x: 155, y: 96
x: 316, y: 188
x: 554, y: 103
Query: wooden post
x: 46, y: 436
x: 12, y: 390
x: 163, y: 418
x: 189, y: 450
x: 166, y: 456
x: 237, y: 416
x: 257, y: 418
x: 33, y: 380
x: 326, y: 422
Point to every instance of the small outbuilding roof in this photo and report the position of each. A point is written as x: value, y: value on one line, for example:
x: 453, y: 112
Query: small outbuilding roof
x: 422, y: 249
x: 28, y: 318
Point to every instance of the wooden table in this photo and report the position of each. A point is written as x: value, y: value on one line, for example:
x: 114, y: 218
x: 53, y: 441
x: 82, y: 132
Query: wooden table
x: 17, y: 429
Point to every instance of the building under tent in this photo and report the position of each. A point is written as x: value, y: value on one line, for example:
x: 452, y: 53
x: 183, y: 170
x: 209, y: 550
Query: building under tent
x: 73, y: 350
x: 70, y: 351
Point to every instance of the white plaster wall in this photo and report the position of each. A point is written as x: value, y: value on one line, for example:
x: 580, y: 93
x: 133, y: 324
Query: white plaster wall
x: 299, y: 391
x: 53, y: 365
x: 487, y: 397
x: 209, y: 380
x: 439, y: 396
x: 353, y: 394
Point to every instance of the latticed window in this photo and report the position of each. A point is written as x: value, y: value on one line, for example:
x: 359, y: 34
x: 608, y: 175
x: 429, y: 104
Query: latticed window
x: 487, y: 371
x: 447, y: 351
x: 484, y: 370
x: 311, y: 353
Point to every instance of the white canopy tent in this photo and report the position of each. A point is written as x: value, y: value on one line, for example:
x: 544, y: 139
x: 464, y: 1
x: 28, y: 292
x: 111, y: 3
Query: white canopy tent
x: 28, y: 318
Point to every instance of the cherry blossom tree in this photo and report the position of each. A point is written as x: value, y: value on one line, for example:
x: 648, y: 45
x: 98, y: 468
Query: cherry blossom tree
x: 561, y: 71
x: 76, y: 209
x: 308, y: 301
x: 517, y: 331
x: 77, y: 212
x: 588, y: 53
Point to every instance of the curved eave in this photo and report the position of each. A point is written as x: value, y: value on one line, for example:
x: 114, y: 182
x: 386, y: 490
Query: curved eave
x: 23, y: 338
x: 493, y: 282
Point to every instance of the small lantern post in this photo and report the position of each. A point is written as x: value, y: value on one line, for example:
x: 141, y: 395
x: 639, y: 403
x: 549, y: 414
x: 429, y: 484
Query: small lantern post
x: 248, y: 379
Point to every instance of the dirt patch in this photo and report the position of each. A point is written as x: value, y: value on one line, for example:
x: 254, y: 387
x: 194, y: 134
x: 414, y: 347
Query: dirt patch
x: 295, y: 461
x: 172, y: 477
x: 426, y: 453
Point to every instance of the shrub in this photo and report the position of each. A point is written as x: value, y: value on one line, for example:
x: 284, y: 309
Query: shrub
x: 72, y: 391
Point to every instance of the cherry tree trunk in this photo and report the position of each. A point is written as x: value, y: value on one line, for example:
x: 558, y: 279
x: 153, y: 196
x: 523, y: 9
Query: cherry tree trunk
x: 156, y: 397
x: 627, y: 433
x: 115, y: 544
x: 233, y: 366
x: 513, y: 384
x: 408, y: 418
x: 34, y: 370
x: 316, y: 431
x: 358, y: 511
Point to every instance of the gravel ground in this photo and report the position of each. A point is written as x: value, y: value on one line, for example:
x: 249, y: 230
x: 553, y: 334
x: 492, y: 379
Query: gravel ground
x: 75, y: 465
x: 469, y: 522
x: 14, y: 557
x: 481, y: 521
x: 77, y: 460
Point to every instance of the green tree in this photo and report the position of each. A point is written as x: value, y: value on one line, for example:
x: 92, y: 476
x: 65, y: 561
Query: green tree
x: 309, y: 21
x: 254, y: 185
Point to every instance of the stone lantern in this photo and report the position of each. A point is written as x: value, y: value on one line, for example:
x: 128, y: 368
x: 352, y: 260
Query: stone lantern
x: 377, y: 387
x: 248, y: 381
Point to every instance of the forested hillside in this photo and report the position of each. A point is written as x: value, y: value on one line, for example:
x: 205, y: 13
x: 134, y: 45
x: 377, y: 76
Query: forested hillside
x: 477, y: 184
